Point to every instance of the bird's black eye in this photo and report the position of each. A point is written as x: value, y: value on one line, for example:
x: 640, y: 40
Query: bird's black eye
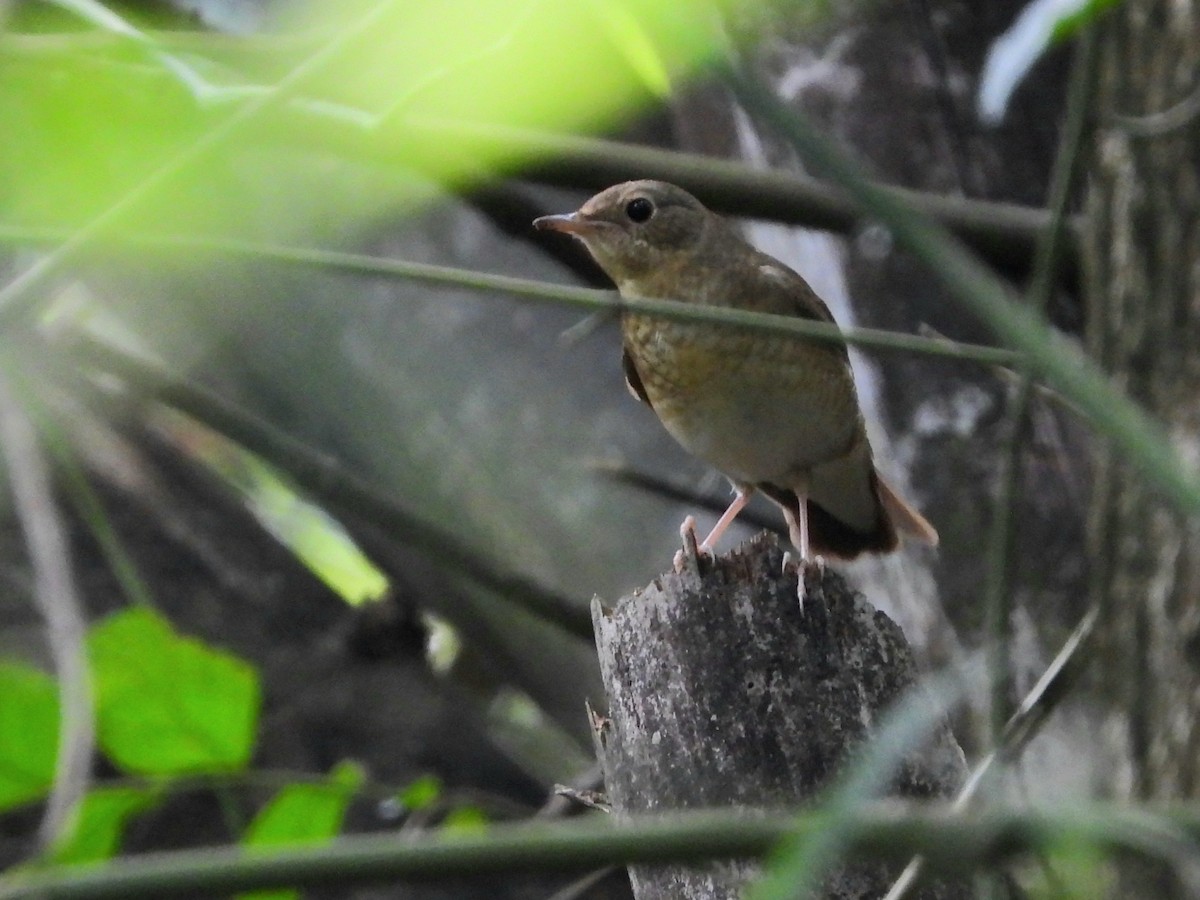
x: 639, y: 209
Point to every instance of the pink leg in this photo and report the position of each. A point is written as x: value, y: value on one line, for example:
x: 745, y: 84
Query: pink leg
x: 741, y: 498
x: 798, y: 527
x: 798, y: 532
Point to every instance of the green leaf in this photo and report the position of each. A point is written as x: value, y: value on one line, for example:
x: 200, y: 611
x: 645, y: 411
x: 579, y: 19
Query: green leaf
x: 100, y: 823
x: 28, y: 734
x: 1072, y: 869
x: 1042, y: 24
x: 465, y: 821
x: 303, y: 814
x: 421, y: 793
x: 170, y: 705
x: 319, y: 541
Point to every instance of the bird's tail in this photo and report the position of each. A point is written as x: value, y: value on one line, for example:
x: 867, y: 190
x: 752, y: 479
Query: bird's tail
x: 903, y: 516
x: 832, y: 535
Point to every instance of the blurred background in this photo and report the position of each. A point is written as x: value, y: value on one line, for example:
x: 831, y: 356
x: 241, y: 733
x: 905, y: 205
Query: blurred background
x: 395, y: 496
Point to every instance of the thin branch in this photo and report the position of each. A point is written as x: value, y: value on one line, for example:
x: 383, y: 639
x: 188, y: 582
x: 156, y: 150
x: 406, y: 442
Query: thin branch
x: 1033, y: 710
x: 671, y: 490
x: 58, y: 601
x: 1067, y: 166
x: 953, y: 843
x: 590, y: 299
x: 1011, y: 736
x: 1003, y: 233
x: 325, y: 478
x: 1160, y: 124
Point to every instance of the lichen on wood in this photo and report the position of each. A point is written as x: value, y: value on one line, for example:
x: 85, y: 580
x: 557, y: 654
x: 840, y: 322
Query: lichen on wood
x: 723, y: 692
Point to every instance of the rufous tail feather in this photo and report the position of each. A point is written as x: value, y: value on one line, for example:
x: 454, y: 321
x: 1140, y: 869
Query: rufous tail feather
x: 903, y: 516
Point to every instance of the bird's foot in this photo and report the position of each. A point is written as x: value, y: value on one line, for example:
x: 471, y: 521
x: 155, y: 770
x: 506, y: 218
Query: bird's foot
x: 813, y: 565
x: 691, y: 551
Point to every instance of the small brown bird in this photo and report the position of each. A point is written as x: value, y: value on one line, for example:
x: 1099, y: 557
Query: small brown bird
x: 775, y: 413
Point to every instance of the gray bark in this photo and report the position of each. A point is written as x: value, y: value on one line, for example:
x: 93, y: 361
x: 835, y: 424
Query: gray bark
x: 722, y: 692
x: 1142, y: 244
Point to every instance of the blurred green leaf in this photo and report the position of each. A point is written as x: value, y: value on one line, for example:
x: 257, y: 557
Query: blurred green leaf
x: 421, y: 793
x: 170, y: 705
x: 92, y: 115
x: 100, y: 824
x: 1072, y: 869
x: 303, y: 814
x: 28, y: 733
x: 306, y: 813
x: 316, y: 538
x: 1041, y: 25
x: 465, y: 821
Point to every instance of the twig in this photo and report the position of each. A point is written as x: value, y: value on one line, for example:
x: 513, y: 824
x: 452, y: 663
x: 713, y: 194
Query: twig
x: 561, y: 803
x: 57, y: 599
x: 1009, y: 736
x: 604, y: 301
x: 1162, y: 123
x: 954, y: 842
x: 588, y: 799
x: 671, y: 490
x: 1041, y: 288
x: 1037, y: 705
x: 1003, y: 233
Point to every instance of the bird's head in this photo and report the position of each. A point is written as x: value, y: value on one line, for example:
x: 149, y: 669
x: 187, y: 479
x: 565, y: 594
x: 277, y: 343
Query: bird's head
x: 635, y: 228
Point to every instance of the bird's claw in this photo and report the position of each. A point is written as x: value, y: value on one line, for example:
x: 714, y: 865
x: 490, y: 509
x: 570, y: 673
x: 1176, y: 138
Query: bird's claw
x: 802, y: 567
x: 691, y: 551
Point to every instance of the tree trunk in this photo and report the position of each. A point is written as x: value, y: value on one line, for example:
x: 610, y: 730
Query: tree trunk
x: 1142, y: 250
x: 724, y: 693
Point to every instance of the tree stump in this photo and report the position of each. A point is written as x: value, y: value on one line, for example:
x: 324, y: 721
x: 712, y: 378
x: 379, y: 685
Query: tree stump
x: 722, y: 692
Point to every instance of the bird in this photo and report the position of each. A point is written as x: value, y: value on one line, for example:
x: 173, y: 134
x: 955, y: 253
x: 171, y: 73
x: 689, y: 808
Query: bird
x: 777, y: 413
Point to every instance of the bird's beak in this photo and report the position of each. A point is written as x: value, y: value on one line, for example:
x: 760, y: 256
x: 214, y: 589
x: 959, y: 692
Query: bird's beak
x: 567, y: 223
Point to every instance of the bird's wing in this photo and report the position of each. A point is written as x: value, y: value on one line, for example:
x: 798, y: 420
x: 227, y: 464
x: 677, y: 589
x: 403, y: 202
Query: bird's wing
x: 787, y: 293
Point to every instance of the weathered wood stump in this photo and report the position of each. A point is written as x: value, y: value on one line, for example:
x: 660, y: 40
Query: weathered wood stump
x: 722, y: 692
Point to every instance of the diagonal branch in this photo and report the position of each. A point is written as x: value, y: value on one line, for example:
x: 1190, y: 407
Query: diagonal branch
x: 58, y: 601
x: 589, y: 299
x: 325, y: 478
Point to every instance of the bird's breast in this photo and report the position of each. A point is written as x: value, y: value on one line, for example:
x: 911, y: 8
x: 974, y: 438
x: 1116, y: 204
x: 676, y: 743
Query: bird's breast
x: 756, y: 406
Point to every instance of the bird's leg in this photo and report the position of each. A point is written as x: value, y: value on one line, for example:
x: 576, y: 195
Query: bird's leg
x: 740, y: 499
x: 797, y: 520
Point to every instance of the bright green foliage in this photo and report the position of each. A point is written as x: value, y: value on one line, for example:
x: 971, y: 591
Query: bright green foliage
x: 99, y: 823
x: 306, y: 813
x: 28, y: 734
x: 421, y: 793
x: 169, y: 705
x: 1078, y: 15
x: 465, y: 820
x: 93, y: 115
x: 307, y: 530
x: 303, y: 814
